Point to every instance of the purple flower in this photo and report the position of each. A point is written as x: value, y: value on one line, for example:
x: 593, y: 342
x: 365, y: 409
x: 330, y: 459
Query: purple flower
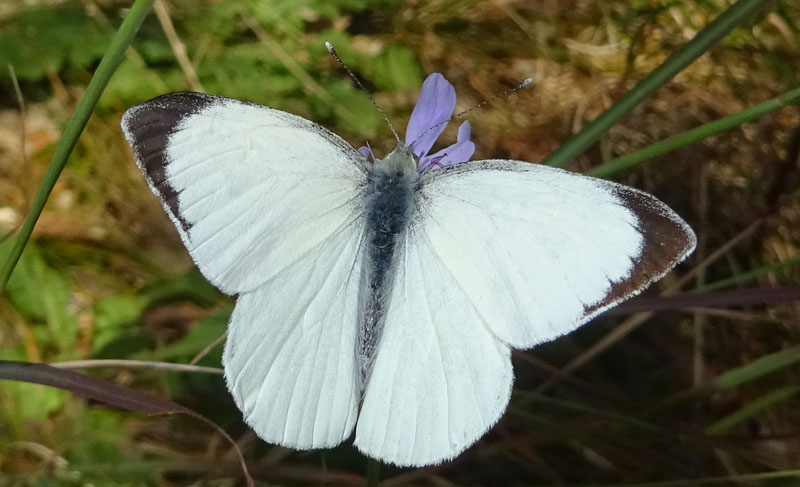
x: 434, y: 107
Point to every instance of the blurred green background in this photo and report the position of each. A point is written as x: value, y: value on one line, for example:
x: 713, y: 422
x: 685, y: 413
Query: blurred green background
x: 671, y: 399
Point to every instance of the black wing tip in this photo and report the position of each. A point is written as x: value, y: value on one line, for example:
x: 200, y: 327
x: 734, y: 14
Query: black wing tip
x: 180, y: 102
x: 661, y: 226
x: 667, y: 241
x: 147, y: 128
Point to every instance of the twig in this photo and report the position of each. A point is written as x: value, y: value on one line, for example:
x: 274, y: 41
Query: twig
x: 178, y: 47
x: 208, y: 348
x: 294, y: 67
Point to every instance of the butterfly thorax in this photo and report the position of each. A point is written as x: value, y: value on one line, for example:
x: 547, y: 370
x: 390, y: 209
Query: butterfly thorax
x: 392, y: 184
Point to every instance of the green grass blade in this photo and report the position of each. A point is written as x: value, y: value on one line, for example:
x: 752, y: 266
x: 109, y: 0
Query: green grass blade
x: 752, y: 275
x: 750, y: 409
x: 113, y: 56
x: 735, y: 479
x: 531, y: 397
x: 695, y: 135
x: 720, y: 27
x: 757, y: 368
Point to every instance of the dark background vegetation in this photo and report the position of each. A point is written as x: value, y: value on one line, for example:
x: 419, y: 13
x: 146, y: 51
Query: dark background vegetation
x: 671, y: 399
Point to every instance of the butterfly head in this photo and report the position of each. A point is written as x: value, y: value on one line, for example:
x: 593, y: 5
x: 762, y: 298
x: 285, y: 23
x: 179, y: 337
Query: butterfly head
x: 401, y: 161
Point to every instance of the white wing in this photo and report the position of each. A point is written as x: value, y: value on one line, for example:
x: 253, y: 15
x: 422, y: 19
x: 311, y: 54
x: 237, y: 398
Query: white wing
x: 251, y: 190
x: 440, y: 378
x: 270, y: 206
x: 290, y: 359
x: 540, y: 251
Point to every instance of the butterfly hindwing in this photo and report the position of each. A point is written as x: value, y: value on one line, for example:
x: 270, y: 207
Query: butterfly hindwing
x: 290, y: 358
x: 440, y: 378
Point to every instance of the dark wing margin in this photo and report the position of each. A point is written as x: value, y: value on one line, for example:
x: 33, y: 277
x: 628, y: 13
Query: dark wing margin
x: 667, y: 241
x: 148, y: 127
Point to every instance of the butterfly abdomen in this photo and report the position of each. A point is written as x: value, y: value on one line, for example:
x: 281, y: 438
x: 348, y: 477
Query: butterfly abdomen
x: 391, y: 188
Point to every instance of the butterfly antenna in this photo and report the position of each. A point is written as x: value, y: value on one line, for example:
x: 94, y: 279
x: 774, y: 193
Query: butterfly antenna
x: 522, y: 84
x: 335, y: 55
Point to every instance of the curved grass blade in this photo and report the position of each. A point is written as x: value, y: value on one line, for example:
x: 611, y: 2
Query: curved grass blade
x: 752, y: 275
x: 736, y: 14
x: 735, y: 377
x: 757, y: 368
x: 712, y: 128
x: 750, y: 409
x: 529, y: 399
x: 113, y: 56
x: 107, y: 393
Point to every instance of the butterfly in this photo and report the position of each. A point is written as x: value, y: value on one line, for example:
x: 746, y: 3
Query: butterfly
x: 384, y: 297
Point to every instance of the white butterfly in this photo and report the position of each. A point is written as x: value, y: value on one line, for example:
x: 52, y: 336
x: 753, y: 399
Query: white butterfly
x: 379, y: 297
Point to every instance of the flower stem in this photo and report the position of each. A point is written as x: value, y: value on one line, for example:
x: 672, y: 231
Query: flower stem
x: 72, y: 131
x: 702, y: 42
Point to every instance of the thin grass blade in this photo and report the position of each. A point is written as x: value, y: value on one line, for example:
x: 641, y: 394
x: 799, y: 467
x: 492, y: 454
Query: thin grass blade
x: 712, y: 128
x: 752, y: 275
x: 72, y: 131
x: 750, y: 409
x: 719, y: 28
x: 757, y: 368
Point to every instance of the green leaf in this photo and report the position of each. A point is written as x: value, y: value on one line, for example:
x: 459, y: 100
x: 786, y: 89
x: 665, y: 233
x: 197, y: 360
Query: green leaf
x: 395, y: 68
x: 113, y: 316
x: 44, y: 39
x: 42, y: 293
x: 191, y: 286
x: 200, y: 336
x: 365, y: 120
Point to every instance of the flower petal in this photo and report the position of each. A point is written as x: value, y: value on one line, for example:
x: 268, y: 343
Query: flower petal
x: 366, y: 151
x: 435, y: 104
x: 457, y: 153
x: 464, y: 132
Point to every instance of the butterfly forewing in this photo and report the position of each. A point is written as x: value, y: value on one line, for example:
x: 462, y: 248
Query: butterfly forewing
x: 540, y: 251
x: 250, y: 189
